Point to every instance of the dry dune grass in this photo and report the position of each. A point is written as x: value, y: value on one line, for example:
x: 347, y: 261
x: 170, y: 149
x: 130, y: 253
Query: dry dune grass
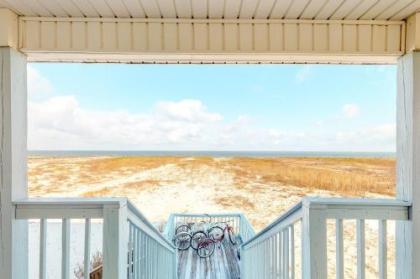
x: 346, y: 176
x: 230, y: 184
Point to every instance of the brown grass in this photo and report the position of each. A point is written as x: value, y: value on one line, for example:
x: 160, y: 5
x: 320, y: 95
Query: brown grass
x: 348, y: 176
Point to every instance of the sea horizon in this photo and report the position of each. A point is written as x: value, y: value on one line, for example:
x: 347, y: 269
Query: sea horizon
x: 207, y: 153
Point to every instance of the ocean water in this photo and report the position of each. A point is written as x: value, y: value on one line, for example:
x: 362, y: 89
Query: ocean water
x: 266, y: 154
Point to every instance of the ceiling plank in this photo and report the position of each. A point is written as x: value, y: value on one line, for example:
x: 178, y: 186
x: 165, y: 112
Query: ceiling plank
x: 151, y: 8
x: 359, y: 10
x: 407, y: 11
x: 102, y: 8
x: 54, y: 7
x: 167, y: 8
x: 328, y: 10
x: 86, y: 8
x: 37, y: 8
x: 199, y: 8
x: 296, y: 9
x: 18, y: 6
x: 183, y: 8
x: 248, y: 8
x: 70, y: 8
x: 119, y: 8
x: 216, y: 8
x: 377, y: 9
x: 232, y: 8
x: 394, y: 9
x: 264, y: 9
x: 345, y: 9
x: 313, y: 8
x: 280, y: 8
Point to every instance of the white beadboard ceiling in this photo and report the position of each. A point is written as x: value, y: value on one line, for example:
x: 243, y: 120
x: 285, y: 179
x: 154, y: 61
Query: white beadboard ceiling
x: 218, y: 9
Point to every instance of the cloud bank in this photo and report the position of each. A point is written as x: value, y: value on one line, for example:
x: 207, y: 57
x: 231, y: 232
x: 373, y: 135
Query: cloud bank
x: 57, y: 122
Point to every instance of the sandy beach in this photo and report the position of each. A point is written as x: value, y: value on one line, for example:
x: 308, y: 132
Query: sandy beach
x: 261, y: 188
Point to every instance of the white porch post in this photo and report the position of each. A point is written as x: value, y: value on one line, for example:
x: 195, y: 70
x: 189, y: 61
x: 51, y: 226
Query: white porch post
x: 115, y: 242
x: 13, y: 172
x: 408, y: 164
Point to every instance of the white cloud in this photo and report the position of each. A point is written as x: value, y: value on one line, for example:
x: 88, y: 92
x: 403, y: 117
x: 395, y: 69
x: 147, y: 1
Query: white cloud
x: 61, y: 123
x: 187, y: 110
x: 351, y: 110
x: 380, y: 137
x: 40, y: 87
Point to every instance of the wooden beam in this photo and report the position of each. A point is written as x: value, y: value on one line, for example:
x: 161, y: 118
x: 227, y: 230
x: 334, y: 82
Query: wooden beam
x: 408, y: 165
x: 13, y: 164
x: 154, y: 40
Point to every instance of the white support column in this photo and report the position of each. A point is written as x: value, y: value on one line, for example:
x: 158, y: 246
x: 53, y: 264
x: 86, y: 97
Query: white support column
x: 408, y: 165
x: 13, y: 165
x: 115, y: 242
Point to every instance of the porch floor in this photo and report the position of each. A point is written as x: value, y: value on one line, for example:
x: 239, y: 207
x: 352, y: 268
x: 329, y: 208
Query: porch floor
x: 223, y: 264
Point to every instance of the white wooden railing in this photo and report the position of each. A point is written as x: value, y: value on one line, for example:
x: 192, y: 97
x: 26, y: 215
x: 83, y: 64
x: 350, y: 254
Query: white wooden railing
x: 238, y: 221
x: 272, y: 252
x: 132, y: 247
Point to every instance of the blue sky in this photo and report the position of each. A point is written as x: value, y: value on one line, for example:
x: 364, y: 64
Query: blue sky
x: 211, y: 107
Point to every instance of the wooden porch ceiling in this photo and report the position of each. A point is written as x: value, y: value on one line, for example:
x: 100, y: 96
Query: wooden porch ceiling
x: 218, y: 9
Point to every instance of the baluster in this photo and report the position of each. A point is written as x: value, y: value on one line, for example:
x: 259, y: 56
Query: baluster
x: 292, y: 251
x: 142, y: 262
x: 137, y: 267
x: 339, y: 252
x: 147, y: 253
x: 360, y: 249
x: 286, y: 253
x: 265, y: 258
x: 43, y: 249
x: 382, y: 246
x: 270, y: 251
x: 130, y: 251
x: 135, y: 263
x: 86, y: 273
x: 274, y: 258
x: 65, y: 248
x: 280, y: 254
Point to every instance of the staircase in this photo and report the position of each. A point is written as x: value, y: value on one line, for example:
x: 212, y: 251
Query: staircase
x: 225, y: 262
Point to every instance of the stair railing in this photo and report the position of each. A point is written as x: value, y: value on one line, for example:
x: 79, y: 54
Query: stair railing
x: 272, y: 252
x: 132, y: 247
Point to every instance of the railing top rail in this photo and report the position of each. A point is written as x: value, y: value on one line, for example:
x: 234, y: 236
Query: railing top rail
x: 52, y: 208
x: 233, y: 214
x: 315, y: 201
x: 144, y: 220
x: 71, y: 201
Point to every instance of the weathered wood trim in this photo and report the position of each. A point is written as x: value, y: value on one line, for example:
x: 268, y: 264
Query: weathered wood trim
x: 56, y: 39
x: 13, y: 164
x: 408, y: 165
